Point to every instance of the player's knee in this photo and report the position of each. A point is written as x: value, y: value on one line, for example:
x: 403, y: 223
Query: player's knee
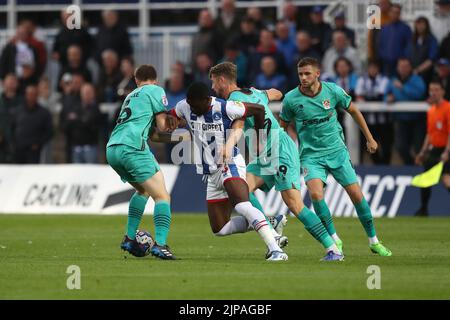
x: 162, y: 197
x: 316, y: 195
x: 294, y: 205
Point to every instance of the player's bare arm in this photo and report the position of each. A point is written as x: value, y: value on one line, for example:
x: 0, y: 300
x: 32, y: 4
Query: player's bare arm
x: 284, y: 124
x: 274, y: 94
x: 371, y: 144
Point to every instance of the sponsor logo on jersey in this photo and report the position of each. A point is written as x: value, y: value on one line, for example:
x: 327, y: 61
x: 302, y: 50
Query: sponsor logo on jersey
x: 316, y: 121
x: 164, y: 100
x: 326, y: 103
x: 217, y: 116
x: 199, y: 126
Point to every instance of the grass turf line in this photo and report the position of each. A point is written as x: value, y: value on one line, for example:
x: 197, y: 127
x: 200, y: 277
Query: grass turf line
x: 35, y: 251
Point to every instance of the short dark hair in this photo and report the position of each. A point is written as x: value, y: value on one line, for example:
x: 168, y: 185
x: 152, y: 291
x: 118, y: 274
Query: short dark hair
x: 226, y: 69
x: 308, y: 61
x: 197, y: 91
x: 437, y: 81
x: 145, y: 72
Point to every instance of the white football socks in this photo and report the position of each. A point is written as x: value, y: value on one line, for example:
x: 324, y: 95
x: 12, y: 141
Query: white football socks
x: 236, y: 224
x: 373, y: 240
x: 258, y: 221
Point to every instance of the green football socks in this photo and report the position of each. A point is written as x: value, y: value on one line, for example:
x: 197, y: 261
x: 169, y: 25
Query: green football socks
x: 162, y: 218
x: 315, y: 227
x: 321, y: 209
x: 135, y: 210
x: 365, y: 216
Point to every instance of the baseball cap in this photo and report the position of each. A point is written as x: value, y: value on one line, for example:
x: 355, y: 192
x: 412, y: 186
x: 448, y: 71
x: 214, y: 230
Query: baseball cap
x: 317, y: 9
x: 443, y: 62
x: 340, y: 14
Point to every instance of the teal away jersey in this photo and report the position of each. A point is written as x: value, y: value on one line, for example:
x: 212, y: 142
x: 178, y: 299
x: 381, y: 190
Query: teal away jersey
x: 271, y: 124
x: 318, y: 130
x: 137, y: 116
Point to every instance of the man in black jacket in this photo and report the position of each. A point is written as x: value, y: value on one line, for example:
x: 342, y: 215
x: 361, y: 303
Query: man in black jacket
x: 32, y: 128
x: 82, y: 124
x: 67, y: 37
x: 112, y: 35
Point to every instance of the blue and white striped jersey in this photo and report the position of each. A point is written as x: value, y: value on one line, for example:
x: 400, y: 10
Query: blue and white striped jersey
x: 209, y: 131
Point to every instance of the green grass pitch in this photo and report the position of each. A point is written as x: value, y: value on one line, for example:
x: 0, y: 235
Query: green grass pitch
x: 35, y: 251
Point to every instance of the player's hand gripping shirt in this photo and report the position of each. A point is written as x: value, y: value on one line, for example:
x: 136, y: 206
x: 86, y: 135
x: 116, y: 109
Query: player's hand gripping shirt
x: 318, y: 128
x: 137, y: 116
x: 209, y: 131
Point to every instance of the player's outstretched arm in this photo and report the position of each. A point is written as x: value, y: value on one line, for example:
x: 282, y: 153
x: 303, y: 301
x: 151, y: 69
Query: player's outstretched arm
x: 371, y: 144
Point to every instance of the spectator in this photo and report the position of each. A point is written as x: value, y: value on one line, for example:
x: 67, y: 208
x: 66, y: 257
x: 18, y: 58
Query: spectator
x: 76, y: 63
x: 290, y: 12
x: 175, y: 90
x: 32, y: 128
x: 127, y: 84
x: 340, y: 25
x: 269, y: 77
x: 232, y: 54
x: 373, y: 36
x: 266, y: 47
x: 112, y: 35
x: 319, y: 30
x: 256, y: 15
x: 436, y: 146
x: 440, y: 19
x: 82, y: 125
x: 340, y: 48
x: 303, y: 49
x: 227, y: 23
x: 285, y: 44
x: 372, y: 87
x: 394, y: 40
x: 247, y: 38
x: 10, y: 102
x: 344, y: 75
x: 110, y: 77
x: 407, y: 87
x: 180, y: 67
x: 48, y: 98
x: 444, y: 48
x: 203, y: 64
x: 71, y: 101
x: 67, y: 37
x: 207, y: 38
x: 20, y: 58
x: 423, y: 49
x: 37, y: 45
x: 443, y: 72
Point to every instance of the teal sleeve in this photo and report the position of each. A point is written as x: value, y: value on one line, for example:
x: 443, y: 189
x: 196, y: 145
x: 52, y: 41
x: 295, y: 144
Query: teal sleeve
x: 343, y: 100
x: 286, y: 112
x: 159, y: 100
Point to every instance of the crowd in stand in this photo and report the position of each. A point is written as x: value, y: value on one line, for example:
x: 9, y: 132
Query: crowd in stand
x: 94, y: 69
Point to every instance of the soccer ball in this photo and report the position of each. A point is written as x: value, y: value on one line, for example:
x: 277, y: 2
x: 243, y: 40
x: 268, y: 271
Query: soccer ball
x: 145, y: 240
